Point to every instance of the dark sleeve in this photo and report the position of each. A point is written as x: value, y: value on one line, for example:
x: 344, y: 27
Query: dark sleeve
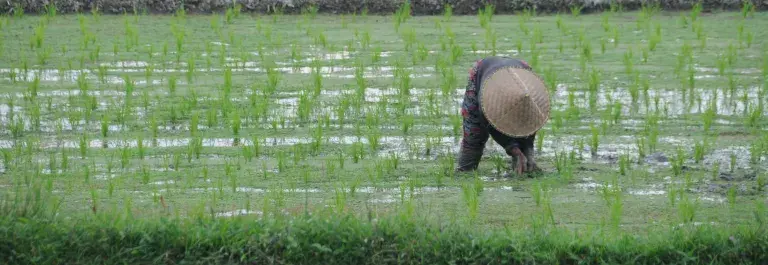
x: 474, y: 123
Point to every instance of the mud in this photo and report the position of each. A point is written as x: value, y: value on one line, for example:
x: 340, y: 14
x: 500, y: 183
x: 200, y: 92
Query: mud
x: 722, y: 156
x: 238, y: 213
x: 164, y: 182
x: 647, y: 192
x: 744, y: 71
x: 384, y: 200
x: 105, y: 176
x: 710, y: 195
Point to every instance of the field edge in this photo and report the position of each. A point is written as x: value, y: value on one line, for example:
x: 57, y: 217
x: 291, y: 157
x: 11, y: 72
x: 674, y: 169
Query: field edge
x: 330, y: 237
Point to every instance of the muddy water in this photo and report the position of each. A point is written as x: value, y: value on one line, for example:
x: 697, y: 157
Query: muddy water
x: 606, y: 153
x: 589, y: 185
x: 671, y: 100
x: 112, y: 68
x: 238, y: 213
x: 45, y: 75
x: 221, y: 142
x: 743, y: 71
x: 288, y: 106
x: 378, y: 195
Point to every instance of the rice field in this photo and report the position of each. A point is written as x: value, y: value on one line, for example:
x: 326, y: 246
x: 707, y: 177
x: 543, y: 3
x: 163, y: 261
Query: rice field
x: 658, y: 118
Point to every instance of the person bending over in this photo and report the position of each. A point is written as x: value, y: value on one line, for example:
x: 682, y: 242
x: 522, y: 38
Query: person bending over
x: 507, y: 101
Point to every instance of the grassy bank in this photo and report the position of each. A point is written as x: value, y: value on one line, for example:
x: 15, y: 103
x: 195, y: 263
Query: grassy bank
x: 323, y: 238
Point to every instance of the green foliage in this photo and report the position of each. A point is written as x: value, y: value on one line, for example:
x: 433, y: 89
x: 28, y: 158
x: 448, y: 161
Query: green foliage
x: 402, y: 14
x: 678, y: 161
x: 576, y: 10
x: 485, y: 15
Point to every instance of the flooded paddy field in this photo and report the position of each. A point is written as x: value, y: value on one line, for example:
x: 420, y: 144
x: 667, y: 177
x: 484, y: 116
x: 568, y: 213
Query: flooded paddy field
x: 655, y: 122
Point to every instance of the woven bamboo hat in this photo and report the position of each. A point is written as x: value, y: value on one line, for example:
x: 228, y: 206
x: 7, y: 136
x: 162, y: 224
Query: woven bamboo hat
x: 515, y: 101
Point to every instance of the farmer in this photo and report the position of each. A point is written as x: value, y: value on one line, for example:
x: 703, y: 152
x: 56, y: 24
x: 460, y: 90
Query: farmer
x: 506, y: 100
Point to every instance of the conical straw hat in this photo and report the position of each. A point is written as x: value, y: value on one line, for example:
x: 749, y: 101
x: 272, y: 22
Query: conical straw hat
x: 515, y: 101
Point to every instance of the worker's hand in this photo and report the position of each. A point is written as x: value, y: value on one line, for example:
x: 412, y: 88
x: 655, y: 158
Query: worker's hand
x: 522, y: 161
x: 532, y: 167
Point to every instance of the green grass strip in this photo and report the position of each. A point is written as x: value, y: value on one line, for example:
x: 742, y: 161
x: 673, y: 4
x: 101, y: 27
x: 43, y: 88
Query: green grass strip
x: 325, y: 239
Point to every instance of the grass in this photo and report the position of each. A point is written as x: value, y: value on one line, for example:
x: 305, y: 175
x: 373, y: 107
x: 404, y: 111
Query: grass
x: 194, y: 117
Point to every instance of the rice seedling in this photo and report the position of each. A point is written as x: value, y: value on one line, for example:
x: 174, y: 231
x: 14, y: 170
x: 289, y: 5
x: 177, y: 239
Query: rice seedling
x: 731, y: 196
x: 677, y: 162
x: 651, y: 128
x: 624, y: 164
x: 407, y: 121
x: 153, y: 127
x: 762, y: 180
x: 457, y: 52
x: 402, y: 14
x: 747, y: 9
x: 447, y: 163
x: 447, y: 12
x: 360, y: 80
x: 273, y: 79
x: 523, y: 26
x: 732, y: 162
x: 576, y: 10
x: 551, y: 79
x: 376, y: 55
x: 190, y: 74
x: 357, y: 151
x: 616, y: 36
x: 731, y: 54
x: 700, y: 149
x: 448, y: 80
x: 560, y: 24
x: 409, y: 38
x: 696, y: 11
x: 403, y: 80
x: 36, y: 42
x: 235, y: 125
x: 687, y: 208
x: 616, y: 7
x: 572, y: 111
x: 756, y: 150
x: 604, y: 22
x: 754, y: 115
x: 691, y: 79
x: 18, y: 10
x: 564, y: 165
x: 104, y: 126
x: 485, y: 15
x: 595, y: 140
x: 232, y: 13
x: 586, y: 50
x: 534, y: 61
x: 628, y: 63
x: 125, y: 157
x: 471, y: 199
x: 655, y: 38
x: 709, y: 115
